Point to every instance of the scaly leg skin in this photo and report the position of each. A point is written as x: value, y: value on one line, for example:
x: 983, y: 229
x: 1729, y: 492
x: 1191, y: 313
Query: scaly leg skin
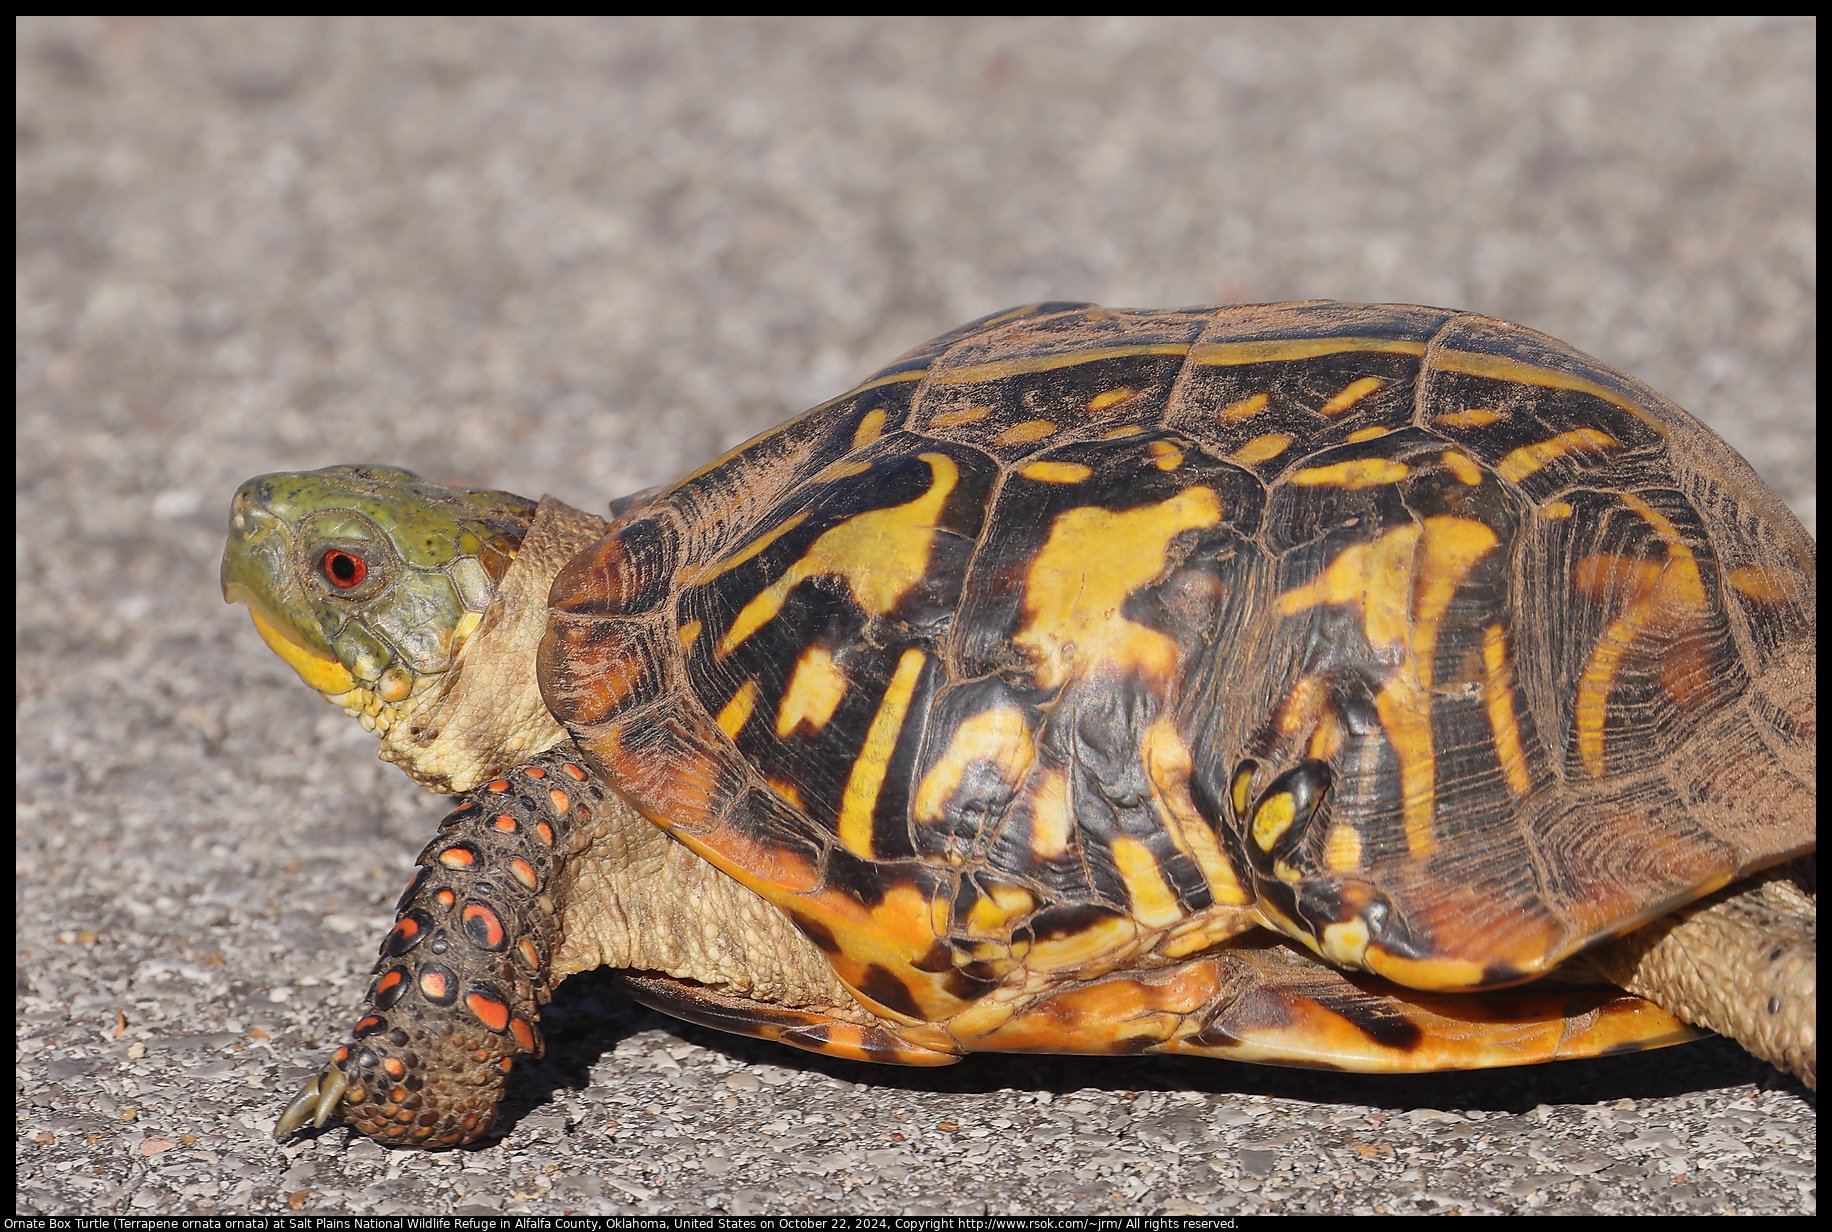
x: 466, y: 967
x: 1742, y: 962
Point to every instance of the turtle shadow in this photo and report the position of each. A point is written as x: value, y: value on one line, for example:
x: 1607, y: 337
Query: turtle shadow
x: 588, y: 1017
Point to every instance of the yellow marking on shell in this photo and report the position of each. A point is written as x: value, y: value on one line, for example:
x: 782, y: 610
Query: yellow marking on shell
x: 1759, y: 585
x: 1660, y: 594
x: 1094, y: 559
x: 1227, y: 354
x: 816, y: 688
x: 1056, y: 472
x: 1520, y: 372
x: 895, y: 934
x: 1052, y: 824
x: 1261, y: 449
x: 990, y: 1012
x: 1168, y: 765
x: 688, y: 634
x: 999, y: 736
x: 870, y: 428
x: 1210, y: 928
x: 1246, y: 408
x: 1450, y: 547
x: 1302, y: 705
x: 1360, y: 473
x: 1326, y: 740
x: 1403, y: 583
x: 1521, y: 462
x: 1187, y: 944
x: 1345, y: 941
x: 1342, y: 849
x: 788, y: 791
x: 1240, y: 791
x: 845, y: 468
x: 1367, y: 434
x: 993, y: 912
x: 941, y: 912
x: 1081, y: 949
x: 881, y: 553
x: 1498, y: 694
x: 737, y: 711
x: 999, y: 370
x: 1114, y: 434
x: 1113, y: 397
x: 1167, y: 456
x: 1025, y: 433
x: 1374, y: 576
x: 327, y: 676
x: 1272, y: 818
x: 1462, y: 466
x: 1473, y: 417
x: 868, y: 770
x: 1425, y: 973
x: 707, y: 572
x: 1154, y: 904
x: 1351, y: 394
x: 957, y: 419
x: 1557, y: 511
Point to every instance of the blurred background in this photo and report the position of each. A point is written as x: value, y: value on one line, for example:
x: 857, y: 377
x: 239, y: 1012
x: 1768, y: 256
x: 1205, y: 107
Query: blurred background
x: 582, y: 256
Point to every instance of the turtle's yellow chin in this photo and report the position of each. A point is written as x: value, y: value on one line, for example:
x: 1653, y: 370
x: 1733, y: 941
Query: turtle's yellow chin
x: 327, y: 676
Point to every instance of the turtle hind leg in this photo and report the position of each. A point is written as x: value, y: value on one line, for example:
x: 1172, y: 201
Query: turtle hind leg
x: 1742, y: 962
x: 463, y: 972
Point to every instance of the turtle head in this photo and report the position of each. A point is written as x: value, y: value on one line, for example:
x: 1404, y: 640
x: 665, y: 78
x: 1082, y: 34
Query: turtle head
x: 368, y: 580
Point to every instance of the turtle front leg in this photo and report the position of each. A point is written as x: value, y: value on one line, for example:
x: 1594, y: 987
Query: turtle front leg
x: 463, y: 973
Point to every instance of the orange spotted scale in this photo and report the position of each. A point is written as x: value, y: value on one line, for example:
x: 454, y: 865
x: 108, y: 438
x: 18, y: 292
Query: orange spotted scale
x: 1311, y: 684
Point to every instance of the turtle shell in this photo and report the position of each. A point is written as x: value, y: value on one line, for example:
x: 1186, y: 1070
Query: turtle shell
x: 1079, y: 641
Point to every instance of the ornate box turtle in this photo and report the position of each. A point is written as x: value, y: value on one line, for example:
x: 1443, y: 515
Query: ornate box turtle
x: 1369, y: 687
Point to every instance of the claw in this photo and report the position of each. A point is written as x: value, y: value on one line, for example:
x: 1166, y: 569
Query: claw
x: 316, y: 1101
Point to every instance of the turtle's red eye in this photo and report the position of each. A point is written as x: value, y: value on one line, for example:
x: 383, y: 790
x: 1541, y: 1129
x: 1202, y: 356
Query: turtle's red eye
x: 343, y: 569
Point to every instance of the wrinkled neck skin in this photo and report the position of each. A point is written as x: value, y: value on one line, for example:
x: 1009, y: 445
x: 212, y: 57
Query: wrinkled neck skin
x: 629, y: 897
x: 485, y: 715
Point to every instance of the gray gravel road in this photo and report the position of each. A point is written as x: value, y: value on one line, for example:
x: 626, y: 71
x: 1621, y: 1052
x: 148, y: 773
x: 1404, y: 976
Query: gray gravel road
x: 580, y: 257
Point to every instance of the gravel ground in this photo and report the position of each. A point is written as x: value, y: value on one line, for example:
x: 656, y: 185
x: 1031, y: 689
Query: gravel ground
x: 580, y: 257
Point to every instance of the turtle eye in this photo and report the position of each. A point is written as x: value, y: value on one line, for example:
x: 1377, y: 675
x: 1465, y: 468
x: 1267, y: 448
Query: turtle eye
x: 343, y: 569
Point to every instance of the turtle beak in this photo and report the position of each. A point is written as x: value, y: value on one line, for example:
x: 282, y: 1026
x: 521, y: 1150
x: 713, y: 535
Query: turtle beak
x: 257, y: 573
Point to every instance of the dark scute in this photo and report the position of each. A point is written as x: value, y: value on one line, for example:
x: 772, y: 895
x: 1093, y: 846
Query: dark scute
x: 387, y: 998
x: 420, y: 875
x: 940, y: 957
x: 1307, y: 783
x: 1374, y: 1019
x: 816, y: 932
x: 868, y: 881
x: 887, y: 990
x: 1065, y: 920
x: 397, y: 943
x: 969, y: 982
x: 1500, y: 975
x: 477, y: 929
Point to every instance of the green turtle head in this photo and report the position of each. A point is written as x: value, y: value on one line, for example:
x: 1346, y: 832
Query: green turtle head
x: 368, y: 579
